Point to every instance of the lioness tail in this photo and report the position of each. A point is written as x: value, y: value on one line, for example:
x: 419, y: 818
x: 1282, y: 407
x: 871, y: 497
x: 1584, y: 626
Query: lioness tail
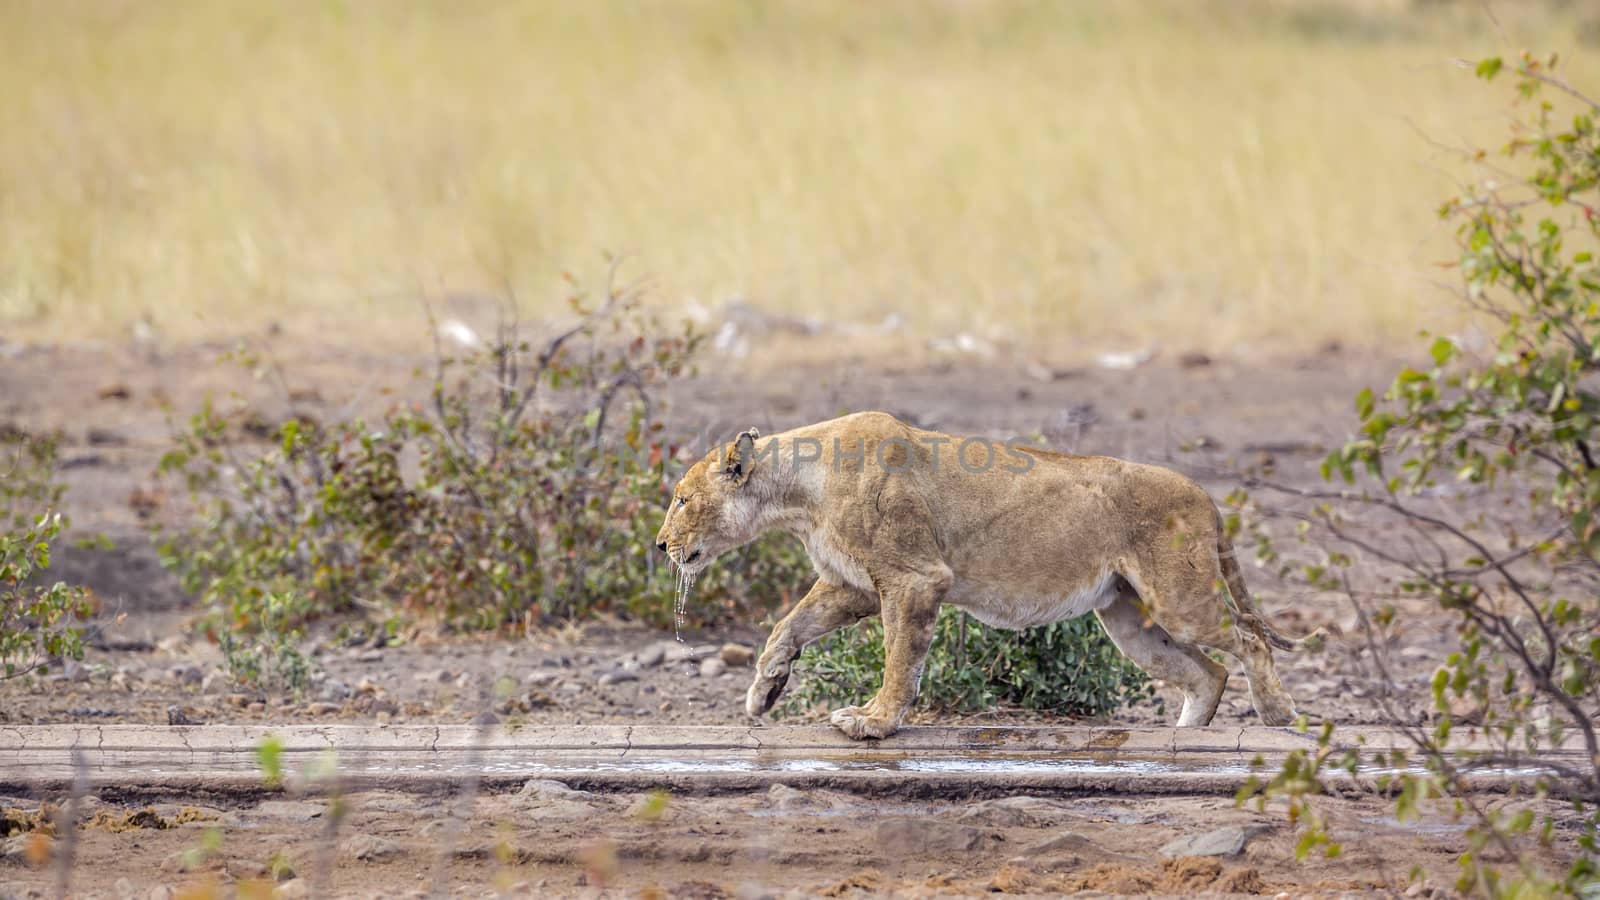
x: 1245, y: 609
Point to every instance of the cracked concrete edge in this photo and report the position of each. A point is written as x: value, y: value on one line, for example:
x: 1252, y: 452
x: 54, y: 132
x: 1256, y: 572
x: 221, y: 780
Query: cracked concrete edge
x: 189, y: 739
x: 883, y: 783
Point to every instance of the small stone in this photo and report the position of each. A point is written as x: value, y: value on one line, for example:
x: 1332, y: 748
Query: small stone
x: 737, y: 655
x: 238, y: 701
x: 214, y: 681
x: 322, y: 708
x: 1194, y: 359
x: 186, y: 675
x: 123, y: 888
x: 1226, y: 841
x: 177, y: 716
x: 547, y: 789
x: 256, y: 707
x: 293, y: 889
x: 336, y: 690
x: 618, y: 676
x: 371, y: 848
x: 571, y: 687
x: 666, y: 706
x: 366, y: 686
x: 369, y: 656
x: 121, y: 682
x: 541, y: 677
x: 712, y: 667
x: 160, y: 892
x: 485, y: 718
x: 651, y: 656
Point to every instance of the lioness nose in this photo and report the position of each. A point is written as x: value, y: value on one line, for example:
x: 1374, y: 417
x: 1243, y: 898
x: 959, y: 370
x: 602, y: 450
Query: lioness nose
x: 662, y: 546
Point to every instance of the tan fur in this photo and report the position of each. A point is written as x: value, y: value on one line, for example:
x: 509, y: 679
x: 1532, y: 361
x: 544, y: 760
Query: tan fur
x: 896, y: 525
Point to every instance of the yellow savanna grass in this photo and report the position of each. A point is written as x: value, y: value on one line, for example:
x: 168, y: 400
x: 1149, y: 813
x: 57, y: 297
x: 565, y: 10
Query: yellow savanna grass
x: 1222, y: 173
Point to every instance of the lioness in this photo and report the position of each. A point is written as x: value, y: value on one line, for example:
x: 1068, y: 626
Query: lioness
x: 898, y: 520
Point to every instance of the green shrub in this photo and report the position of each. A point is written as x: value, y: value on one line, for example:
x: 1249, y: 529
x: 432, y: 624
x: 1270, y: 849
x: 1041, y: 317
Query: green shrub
x: 1482, y: 467
x: 1068, y: 668
x: 532, y: 484
x: 36, y: 620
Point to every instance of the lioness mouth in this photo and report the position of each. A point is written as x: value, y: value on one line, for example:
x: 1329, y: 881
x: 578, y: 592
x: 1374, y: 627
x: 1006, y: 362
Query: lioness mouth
x: 691, y: 557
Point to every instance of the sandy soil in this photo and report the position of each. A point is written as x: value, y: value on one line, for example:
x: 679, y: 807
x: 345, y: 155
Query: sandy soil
x: 113, y: 406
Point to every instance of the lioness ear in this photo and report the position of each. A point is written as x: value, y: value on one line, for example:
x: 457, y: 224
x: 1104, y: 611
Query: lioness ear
x: 741, y: 457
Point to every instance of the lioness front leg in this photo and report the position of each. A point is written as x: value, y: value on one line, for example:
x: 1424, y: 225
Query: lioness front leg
x: 909, y: 614
x: 825, y: 608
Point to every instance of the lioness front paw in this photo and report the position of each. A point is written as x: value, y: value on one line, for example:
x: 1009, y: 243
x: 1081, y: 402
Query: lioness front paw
x: 765, y: 690
x: 858, y: 723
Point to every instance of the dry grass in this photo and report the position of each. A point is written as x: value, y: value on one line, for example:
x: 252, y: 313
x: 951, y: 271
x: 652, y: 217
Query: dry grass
x: 1199, y: 173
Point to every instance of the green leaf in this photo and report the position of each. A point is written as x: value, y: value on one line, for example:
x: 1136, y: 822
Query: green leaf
x: 1488, y: 68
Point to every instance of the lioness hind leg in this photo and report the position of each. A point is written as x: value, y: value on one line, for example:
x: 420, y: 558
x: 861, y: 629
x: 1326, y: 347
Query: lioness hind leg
x: 825, y: 608
x: 1154, y: 650
x: 1273, y: 704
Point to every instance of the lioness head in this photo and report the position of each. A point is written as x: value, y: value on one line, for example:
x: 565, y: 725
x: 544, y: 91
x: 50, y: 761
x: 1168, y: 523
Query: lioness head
x: 710, y: 512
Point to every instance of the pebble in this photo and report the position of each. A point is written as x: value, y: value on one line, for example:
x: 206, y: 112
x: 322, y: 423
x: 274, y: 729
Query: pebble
x: 651, y: 656
x: 335, y: 690
x: 366, y: 686
x: 485, y: 718
x: 736, y: 655
x: 618, y: 676
x: 322, y: 708
x: 712, y: 667
x: 540, y: 677
x: 239, y: 701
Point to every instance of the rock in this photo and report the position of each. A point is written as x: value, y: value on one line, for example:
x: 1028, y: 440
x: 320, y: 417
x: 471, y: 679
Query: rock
x: 121, y: 681
x: 124, y: 889
x: 256, y: 707
x: 651, y: 656
x: 435, y: 676
x: 14, y: 849
x: 239, y: 701
x: 176, y: 715
x: 214, y: 681
x: 929, y: 837
x: 1194, y: 359
x: 370, y: 848
x: 737, y: 655
x: 1229, y: 840
x: 485, y: 718
x: 545, y: 789
x: 160, y: 892
x: 541, y: 677
x: 322, y: 708
x: 369, y: 656
x: 335, y: 690
x: 1067, y: 842
x: 618, y: 676
x: 781, y: 796
x: 186, y: 675
x: 712, y: 667
x: 293, y: 810
x: 366, y: 686
x: 293, y: 889
x: 1015, y: 812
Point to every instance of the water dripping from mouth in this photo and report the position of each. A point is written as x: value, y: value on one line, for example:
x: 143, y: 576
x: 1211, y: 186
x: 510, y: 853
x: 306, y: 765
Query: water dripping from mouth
x: 681, y: 605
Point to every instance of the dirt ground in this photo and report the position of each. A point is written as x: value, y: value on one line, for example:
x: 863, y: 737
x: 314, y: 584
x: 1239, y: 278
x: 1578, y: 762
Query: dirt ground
x: 113, y: 406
